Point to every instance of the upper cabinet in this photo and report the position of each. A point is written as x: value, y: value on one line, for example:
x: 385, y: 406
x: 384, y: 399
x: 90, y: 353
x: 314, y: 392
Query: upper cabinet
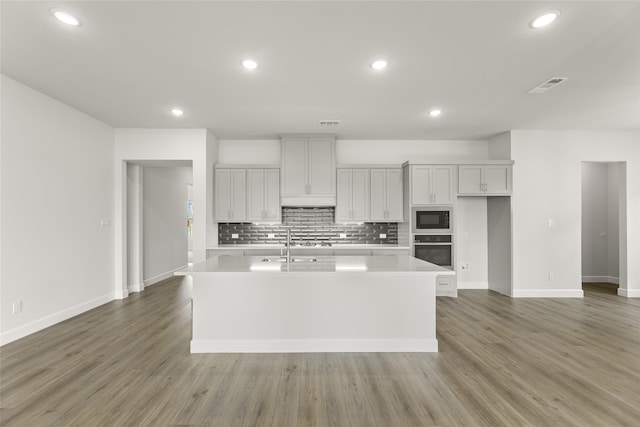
x: 432, y: 184
x: 353, y: 195
x: 230, y: 195
x: 308, y: 171
x: 263, y: 195
x: 484, y: 180
x: 386, y: 195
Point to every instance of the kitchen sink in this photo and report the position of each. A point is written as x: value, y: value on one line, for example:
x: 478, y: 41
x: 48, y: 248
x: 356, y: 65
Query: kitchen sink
x: 292, y: 259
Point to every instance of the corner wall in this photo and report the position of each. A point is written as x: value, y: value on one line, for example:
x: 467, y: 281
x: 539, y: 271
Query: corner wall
x: 547, y: 185
x: 57, y: 211
x: 138, y: 145
x: 164, y: 221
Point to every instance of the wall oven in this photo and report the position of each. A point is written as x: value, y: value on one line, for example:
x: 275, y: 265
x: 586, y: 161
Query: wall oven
x: 434, y: 248
x: 434, y: 219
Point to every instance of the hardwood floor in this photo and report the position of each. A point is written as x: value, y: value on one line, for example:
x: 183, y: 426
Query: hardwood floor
x: 502, y: 362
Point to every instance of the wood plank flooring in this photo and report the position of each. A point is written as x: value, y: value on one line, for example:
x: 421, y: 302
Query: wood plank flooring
x: 502, y: 362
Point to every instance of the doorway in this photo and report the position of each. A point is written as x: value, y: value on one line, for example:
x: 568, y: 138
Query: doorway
x: 603, y: 225
x: 157, y: 220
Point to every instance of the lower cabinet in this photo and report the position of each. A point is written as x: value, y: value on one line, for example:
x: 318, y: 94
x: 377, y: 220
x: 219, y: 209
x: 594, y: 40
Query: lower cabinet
x: 447, y: 286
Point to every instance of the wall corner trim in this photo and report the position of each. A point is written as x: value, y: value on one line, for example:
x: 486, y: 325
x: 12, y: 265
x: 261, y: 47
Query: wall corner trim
x: 548, y: 293
x: 52, y: 319
x: 629, y: 293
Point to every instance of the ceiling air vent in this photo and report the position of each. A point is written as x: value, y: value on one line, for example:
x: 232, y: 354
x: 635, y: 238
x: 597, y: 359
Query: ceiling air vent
x: 555, y: 81
x: 329, y: 122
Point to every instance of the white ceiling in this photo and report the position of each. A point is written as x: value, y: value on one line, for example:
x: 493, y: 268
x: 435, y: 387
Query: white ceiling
x: 130, y: 62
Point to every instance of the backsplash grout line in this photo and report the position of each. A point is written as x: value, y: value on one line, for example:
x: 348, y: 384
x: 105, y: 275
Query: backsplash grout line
x: 308, y: 225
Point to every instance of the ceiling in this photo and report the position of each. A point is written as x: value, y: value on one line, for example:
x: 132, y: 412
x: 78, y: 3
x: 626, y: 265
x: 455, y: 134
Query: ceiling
x: 129, y: 63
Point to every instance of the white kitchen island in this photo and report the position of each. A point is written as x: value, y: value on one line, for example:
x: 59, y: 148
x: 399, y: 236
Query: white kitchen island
x: 244, y: 304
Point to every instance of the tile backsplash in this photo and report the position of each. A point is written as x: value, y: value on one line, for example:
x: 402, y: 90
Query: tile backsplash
x: 308, y: 225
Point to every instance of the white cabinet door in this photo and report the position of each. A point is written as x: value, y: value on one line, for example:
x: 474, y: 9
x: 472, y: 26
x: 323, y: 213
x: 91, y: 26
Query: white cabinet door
x: 321, y: 167
x: 484, y: 180
x: 353, y: 194
x: 360, y: 195
x: 386, y: 195
x: 442, y: 185
x: 230, y: 197
x: 272, y: 195
x: 343, y: 195
x: 394, y: 195
x: 263, y: 195
x: 255, y: 194
x: 497, y: 179
x: 420, y: 185
x: 222, y: 186
x: 431, y: 185
x: 294, y: 166
x: 308, y: 167
x: 470, y: 179
x: 378, y: 195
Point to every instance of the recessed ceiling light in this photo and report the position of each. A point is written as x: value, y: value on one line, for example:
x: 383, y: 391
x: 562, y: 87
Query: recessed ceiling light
x: 177, y: 112
x: 435, y: 112
x: 249, y: 64
x: 546, y: 19
x: 380, y: 64
x: 65, y: 17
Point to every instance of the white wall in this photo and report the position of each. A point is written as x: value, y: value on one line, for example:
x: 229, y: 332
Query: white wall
x: 138, y: 145
x: 358, y: 151
x: 547, y: 185
x: 57, y: 185
x: 237, y: 151
x: 471, y: 241
x: 613, y: 222
x: 164, y: 221
x: 600, y: 222
x: 594, y: 220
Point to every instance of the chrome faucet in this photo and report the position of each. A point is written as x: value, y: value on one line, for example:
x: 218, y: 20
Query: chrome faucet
x: 288, y: 244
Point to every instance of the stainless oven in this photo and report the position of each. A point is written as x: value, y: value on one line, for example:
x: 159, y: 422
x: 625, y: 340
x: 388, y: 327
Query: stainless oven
x: 434, y: 248
x: 433, y: 219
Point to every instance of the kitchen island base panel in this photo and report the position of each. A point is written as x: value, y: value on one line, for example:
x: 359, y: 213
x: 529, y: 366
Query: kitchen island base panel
x: 290, y: 313
x: 314, y: 346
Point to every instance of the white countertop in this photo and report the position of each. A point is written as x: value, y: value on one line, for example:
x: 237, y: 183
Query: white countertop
x: 336, y: 246
x: 379, y: 265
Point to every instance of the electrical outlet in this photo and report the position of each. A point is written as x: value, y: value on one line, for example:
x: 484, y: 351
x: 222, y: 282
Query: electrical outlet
x: 271, y: 236
x: 234, y: 236
x: 552, y: 222
x: 464, y: 266
x: 383, y: 236
x: 17, y: 306
x: 343, y: 235
x: 552, y: 277
x: 105, y: 222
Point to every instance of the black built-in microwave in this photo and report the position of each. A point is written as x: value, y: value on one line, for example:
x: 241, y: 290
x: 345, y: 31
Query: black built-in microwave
x: 435, y: 219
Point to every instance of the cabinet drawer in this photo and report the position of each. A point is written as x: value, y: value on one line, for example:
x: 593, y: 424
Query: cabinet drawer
x: 446, y: 286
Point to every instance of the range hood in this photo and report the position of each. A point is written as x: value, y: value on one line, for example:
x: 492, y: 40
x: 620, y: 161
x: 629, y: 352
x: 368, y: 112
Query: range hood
x: 308, y: 201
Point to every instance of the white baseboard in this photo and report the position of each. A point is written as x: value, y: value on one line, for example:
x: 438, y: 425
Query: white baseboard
x: 138, y: 287
x: 548, y: 293
x: 160, y: 277
x: 600, y: 279
x: 629, y: 293
x: 473, y: 285
x: 52, y: 319
x: 315, y: 346
x: 122, y: 293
